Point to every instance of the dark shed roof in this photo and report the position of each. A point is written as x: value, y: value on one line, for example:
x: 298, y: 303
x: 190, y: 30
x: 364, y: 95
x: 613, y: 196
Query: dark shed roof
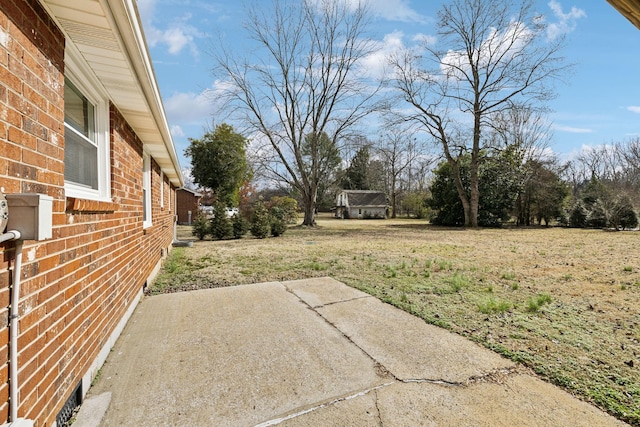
x: 366, y: 198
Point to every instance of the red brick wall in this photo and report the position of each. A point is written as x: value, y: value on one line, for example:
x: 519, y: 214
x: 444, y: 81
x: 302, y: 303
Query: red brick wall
x: 186, y: 201
x: 76, y: 286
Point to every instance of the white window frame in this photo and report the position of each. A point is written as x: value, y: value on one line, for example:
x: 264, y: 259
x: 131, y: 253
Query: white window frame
x: 161, y: 189
x: 78, y: 72
x: 147, y: 213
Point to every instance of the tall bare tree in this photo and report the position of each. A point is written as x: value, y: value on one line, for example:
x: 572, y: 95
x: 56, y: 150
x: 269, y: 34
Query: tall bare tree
x: 398, y: 148
x: 303, y: 79
x: 490, y: 55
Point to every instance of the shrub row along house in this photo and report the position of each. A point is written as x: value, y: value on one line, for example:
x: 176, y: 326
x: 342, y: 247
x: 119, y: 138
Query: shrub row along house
x: 82, y: 124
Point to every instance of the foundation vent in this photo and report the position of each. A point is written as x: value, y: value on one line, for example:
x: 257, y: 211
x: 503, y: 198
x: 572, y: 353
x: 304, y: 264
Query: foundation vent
x: 70, y: 407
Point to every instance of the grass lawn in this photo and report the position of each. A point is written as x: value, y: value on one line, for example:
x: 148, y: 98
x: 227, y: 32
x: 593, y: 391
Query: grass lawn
x: 564, y: 302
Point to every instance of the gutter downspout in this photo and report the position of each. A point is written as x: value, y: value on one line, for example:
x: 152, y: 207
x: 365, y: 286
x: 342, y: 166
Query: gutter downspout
x: 179, y: 243
x: 13, y: 327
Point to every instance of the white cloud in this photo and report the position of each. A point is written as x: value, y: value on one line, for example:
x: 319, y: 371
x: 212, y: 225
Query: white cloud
x: 424, y: 39
x: 570, y: 129
x: 392, y: 10
x: 503, y: 45
x: 373, y: 65
x: 178, y: 35
x: 566, y: 22
x: 189, y: 108
x: 177, y: 131
x: 634, y: 109
x: 395, y: 10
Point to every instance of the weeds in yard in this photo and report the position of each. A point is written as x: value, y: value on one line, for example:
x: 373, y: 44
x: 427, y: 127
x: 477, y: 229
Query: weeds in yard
x: 534, y: 304
x: 458, y: 281
x: 317, y: 266
x: 175, y: 262
x: 445, y: 265
x: 509, y: 275
x: 391, y: 272
x: 493, y: 306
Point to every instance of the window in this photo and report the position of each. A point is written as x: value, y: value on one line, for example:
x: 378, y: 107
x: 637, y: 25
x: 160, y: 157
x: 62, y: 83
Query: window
x: 81, y: 148
x: 86, y: 133
x: 146, y: 191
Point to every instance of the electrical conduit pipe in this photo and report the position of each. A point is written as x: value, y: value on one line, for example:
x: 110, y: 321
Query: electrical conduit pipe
x: 13, y: 327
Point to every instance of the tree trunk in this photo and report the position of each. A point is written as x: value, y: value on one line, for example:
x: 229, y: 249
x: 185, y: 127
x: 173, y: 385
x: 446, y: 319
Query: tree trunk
x: 474, y: 176
x: 393, y: 197
x: 309, y: 201
x: 474, y: 199
x: 457, y: 179
x: 309, y: 215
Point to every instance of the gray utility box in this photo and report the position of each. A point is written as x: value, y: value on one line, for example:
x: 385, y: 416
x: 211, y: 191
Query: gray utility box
x: 31, y: 214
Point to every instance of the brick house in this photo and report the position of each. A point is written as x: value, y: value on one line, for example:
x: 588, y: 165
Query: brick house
x: 187, y: 205
x: 82, y: 122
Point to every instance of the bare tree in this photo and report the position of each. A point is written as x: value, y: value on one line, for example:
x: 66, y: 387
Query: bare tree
x: 489, y: 56
x: 397, y: 148
x: 305, y: 83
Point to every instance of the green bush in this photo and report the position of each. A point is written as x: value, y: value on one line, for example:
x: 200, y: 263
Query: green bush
x: 277, y: 221
x: 278, y: 227
x: 260, y: 223
x: 220, y: 227
x: 240, y: 226
x: 623, y: 215
x: 200, y: 227
x: 287, y: 206
x: 578, y: 216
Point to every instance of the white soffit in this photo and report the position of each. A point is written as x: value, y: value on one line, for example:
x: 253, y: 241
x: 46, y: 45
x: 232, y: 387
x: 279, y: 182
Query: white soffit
x: 109, y: 36
x: 629, y: 8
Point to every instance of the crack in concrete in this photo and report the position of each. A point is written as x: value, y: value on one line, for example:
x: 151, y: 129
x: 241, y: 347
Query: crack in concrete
x: 277, y: 421
x: 341, y: 301
x: 429, y: 381
x: 381, y: 370
x: 378, y: 415
x: 500, y: 375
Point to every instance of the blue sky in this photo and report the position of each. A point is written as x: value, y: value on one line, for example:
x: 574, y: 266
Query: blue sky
x: 599, y: 102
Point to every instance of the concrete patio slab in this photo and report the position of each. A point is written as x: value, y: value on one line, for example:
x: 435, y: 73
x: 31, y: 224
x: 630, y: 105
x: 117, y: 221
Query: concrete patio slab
x: 520, y: 400
x: 312, y: 353
x: 228, y: 356
x: 408, y: 347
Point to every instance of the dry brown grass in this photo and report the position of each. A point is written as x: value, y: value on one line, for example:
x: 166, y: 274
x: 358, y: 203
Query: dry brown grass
x: 564, y: 302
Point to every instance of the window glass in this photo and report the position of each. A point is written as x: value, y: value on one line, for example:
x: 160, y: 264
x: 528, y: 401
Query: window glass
x: 81, y: 150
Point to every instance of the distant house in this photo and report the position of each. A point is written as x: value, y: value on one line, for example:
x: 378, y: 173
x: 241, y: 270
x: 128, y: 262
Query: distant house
x: 83, y: 129
x: 361, y: 204
x: 187, y: 205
